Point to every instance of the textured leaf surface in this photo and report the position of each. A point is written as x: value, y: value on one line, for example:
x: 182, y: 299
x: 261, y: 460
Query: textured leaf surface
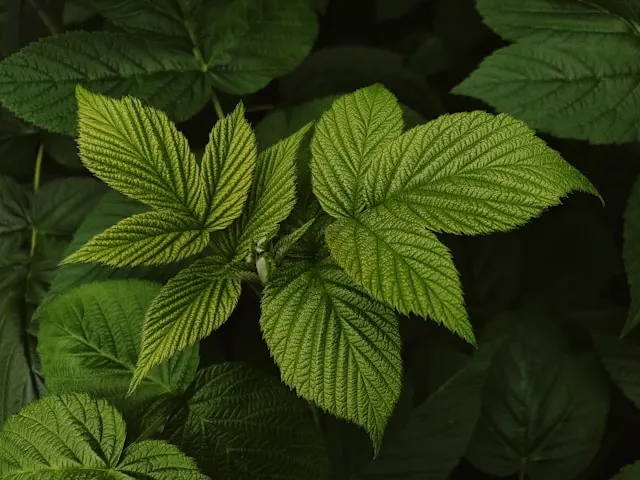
x: 271, y: 199
x: 227, y: 169
x: 631, y: 251
x: 38, y: 83
x: 401, y: 264
x: 19, y: 383
x: 242, y: 424
x: 113, y: 208
x: 14, y: 208
x: 567, y: 89
x: 436, y: 434
x: 545, y: 406
x: 550, y: 20
x: 59, y: 206
x: 333, y: 344
x: 346, y: 140
x: 243, y: 41
x: 189, y: 307
x: 76, y: 437
x: 138, y: 151
x: 150, y: 238
x: 470, y: 173
x: 90, y: 339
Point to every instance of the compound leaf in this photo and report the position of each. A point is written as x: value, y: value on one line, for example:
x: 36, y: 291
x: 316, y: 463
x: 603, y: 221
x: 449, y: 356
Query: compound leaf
x: 336, y: 346
x: 188, y: 308
x: 403, y: 265
x: 550, y: 20
x: 346, y: 140
x: 238, y: 420
x: 227, y: 168
x: 632, y: 255
x: 38, y: 83
x: 271, y: 199
x: 139, y: 152
x: 76, y: 437
x: 149, y: 238
x: 566, y: 89
x: 89, y: 342
x: 470, y: 173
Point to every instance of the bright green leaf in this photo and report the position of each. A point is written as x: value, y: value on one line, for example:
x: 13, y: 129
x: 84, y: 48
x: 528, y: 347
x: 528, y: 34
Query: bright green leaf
x: 89, y: 342
x: 113, y: 208
x: 150, y: 238
x: 238, y: 422
x: 139, y: 152
x: 568, y: 89
x: 189, y: 307
x: 227, y: 169
x: 347, y: 139
x: 470, y: 173
x: 333, y: 344
x: 437, y: 432
x: 271, y: 199
x: 76, y: 437
x: 551, y: 20
x: 632, y: 255
x: 38, y: 83
x: 545, y: 405
x: 403, y: 265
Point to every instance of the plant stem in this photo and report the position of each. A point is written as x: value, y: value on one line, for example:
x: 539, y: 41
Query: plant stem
x: 36, y: 187
x: 48, y: 21
x: 217, y: 106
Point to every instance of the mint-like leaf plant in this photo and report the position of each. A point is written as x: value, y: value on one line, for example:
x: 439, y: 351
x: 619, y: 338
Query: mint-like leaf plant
x: 329, y: 316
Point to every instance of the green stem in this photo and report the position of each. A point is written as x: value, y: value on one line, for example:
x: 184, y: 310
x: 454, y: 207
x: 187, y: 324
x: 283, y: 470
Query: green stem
x: 36, y: 187
x: 217, y: 106
x: 48, y: 21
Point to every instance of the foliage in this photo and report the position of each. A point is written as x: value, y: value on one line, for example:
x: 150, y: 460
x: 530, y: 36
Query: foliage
x: 257, y: 239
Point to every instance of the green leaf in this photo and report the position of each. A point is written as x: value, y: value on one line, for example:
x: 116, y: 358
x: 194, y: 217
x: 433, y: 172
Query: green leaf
x: 240, y: 423
x: 346, y: 141
x: 76, y: 437
x: 14, y: 212
x: 150, y: 238
x: 403, y: 265
x: 470, y: 173
x: 227, y: 168
x: 567, y: 89
x: 90, y: 339
x: 550, y: 20
x: 271, y: 199
x: 19, y: 382
x: 333, y: 344
x: 38, y: 83
x: 545, y: 405
x: 631, y: 253
x: 243, y: 42
x: 188, y: 308
x: 113, y: 208
x: 138, y: 151
x: 630, y: 472
x: 61, y: 205
x: 437, y: 432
